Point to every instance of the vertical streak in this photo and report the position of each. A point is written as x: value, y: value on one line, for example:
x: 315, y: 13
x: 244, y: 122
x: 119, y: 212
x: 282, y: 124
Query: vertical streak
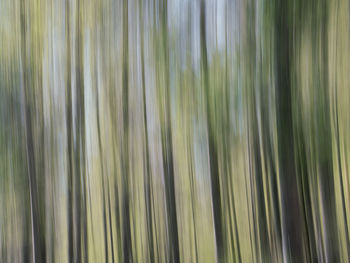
x: 29, y: 139
x: 213, y: 154
x: 125, y: 163
x: 148, y: 186
x: 69, y: 131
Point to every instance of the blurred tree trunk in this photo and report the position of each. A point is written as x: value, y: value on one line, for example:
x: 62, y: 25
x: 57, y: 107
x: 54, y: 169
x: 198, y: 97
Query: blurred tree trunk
x: 324, y: 137
x: 69, y: 131
x: 148, y: 181
x: 168, y: 161
x: 97, y: 105
x: 213, y: 151
x: 257, y: 118
x: 227, y: 157
x: 293, y: 223
x: 80, y: 130
x: 127, y: 246
x: 38, y: 236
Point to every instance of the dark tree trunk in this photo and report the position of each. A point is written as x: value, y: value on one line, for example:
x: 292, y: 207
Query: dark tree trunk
x: 168, y: 164
x: 69, y: 125
x: 293, y: 223
x: 38, y: 238
x: 213, y: 151
x: 127, y: 246
x: 79, y: 145
x: 110, y: 221
x: 325, y: 143
x: 148, y: 181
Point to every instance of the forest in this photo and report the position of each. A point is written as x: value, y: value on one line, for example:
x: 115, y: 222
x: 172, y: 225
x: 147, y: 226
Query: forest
x: 174, y: 131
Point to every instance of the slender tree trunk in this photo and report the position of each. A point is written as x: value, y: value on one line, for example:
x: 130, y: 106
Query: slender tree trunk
x: 213, y: 152
x: 69, y: 125
x: 103, y: 182
x: 325, y: 145
x: 148, y: 182
x: 84, y: 219
x: 79, y: 146
x: 26, y: 235
x: 193, y: 195
x: 102, y: 172
x: 168, y: 148
x: 127, y: 246
x: 83, y: 189
x: 104, y: 219
x: 110, y: 221
x: 227, y: 152
x: 37, y: 237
